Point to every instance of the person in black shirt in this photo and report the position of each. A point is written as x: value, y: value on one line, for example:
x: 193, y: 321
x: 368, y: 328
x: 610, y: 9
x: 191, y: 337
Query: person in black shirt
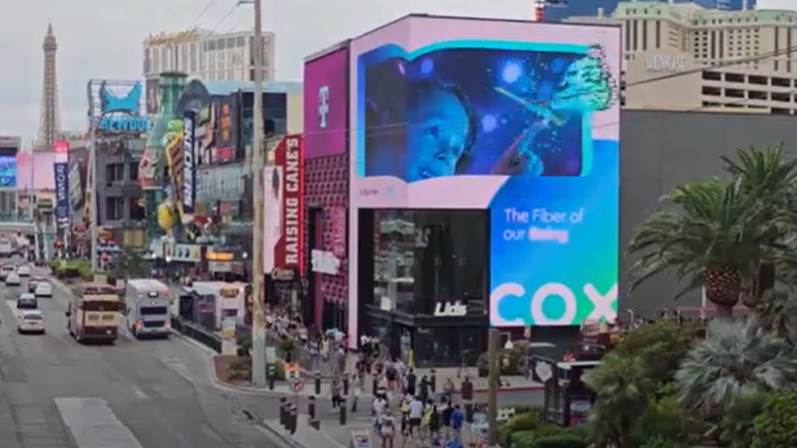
x: 409, y: 383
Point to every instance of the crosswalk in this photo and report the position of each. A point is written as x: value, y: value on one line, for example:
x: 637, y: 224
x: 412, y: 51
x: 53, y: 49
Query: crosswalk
x: 93, y: 424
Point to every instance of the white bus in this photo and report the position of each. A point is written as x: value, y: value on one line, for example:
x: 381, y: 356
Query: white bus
x: 148, y: 305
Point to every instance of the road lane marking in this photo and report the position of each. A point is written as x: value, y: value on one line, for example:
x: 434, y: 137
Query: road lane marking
x: 93, y: 424
x: 140, y: 394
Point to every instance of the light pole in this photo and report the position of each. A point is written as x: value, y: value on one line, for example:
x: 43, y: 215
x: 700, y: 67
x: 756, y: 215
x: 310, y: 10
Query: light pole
x: 258, y: 165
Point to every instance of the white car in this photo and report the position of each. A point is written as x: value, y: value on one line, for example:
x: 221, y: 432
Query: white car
x: 23, y: 271
x: 12, y: 279
x: 43, y: 289
x: 31, y: 322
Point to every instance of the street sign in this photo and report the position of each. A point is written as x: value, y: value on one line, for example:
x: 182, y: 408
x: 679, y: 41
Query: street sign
x: 297, y: 384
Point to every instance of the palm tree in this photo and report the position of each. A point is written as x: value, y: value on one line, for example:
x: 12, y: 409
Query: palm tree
x: 622, y: 394
x: 777, y: 312
x: 734, y: 359
x: 712, y: 238
x: 770, y: 177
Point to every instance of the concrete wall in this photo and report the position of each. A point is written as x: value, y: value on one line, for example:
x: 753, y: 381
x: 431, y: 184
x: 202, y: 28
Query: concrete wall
x: 662, y: 149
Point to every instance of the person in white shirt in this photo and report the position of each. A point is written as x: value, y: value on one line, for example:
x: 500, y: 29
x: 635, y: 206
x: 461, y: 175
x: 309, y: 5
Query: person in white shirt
x: 416, y: 414
x: 387, y: 429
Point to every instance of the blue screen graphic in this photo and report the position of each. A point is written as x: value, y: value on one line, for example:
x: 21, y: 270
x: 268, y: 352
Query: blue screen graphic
x: 8, y: 171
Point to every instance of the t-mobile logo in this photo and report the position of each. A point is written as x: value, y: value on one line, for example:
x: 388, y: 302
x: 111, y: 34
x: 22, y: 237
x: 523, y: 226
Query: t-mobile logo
x: 323, y: 106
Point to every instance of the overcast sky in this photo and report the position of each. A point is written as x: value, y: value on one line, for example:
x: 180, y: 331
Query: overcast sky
x: 103, y: 39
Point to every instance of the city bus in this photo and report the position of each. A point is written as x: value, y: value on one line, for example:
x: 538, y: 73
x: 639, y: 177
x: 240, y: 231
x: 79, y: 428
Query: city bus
x: 93, y: 313
x: 148, y: 308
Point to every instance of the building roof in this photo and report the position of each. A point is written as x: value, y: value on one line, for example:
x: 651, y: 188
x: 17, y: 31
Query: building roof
x: 229, y: 87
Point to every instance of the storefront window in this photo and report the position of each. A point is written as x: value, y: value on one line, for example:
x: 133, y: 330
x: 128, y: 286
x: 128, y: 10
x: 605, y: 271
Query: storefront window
x: 458, y: 346
x: 422, y: 258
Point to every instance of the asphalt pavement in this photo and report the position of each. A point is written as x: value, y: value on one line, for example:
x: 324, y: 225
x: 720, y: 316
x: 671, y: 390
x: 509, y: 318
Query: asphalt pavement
x: 56, y: 393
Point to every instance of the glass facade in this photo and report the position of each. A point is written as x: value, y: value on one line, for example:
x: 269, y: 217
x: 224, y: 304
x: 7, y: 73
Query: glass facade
x: 424, y: 258
x: 423, y: 278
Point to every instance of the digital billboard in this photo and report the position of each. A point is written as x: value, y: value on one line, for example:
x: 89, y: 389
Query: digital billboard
x: 325, y: 104
x: 8, y: 171
x: 225, y: 110
x: 514, y: 117
x: 118, y: 107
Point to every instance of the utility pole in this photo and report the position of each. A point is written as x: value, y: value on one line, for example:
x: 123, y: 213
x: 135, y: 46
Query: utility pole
x: 92, y: 188
x: 258, y: 165
x: 494, y: 373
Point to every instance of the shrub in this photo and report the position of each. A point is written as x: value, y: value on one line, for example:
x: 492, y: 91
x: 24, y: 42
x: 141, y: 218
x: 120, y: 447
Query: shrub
x: 667, y: 418
x: 661, y: 345
x: 776, y: 427
x: 737, y: 422
x: 661, y: 442
x: 560, y: 441
x: 522, y: 438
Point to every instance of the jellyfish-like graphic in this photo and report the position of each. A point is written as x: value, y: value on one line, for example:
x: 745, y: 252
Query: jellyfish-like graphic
x: 587, y: 85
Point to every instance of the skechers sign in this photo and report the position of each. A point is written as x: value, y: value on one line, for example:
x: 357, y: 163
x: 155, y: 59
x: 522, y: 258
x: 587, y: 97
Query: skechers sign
x: 121, y: 113
x: 189, y: 154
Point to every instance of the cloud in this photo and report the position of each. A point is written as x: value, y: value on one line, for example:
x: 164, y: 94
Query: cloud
x: 103, y: 39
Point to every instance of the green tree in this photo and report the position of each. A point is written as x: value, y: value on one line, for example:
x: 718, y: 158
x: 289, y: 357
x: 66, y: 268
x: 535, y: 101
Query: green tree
x: 622, y: 390
x: 130, y: 264
x: 712, y: 237
x: 735, y: 358
x: 776, y: 312
x: 768, y: 176
x: 661, y: 345
x: 737, y: 423
x: 776, y: 427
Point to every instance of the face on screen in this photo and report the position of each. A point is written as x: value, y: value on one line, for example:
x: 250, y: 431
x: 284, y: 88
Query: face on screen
x: 437, y: 133
x: 477, y: 111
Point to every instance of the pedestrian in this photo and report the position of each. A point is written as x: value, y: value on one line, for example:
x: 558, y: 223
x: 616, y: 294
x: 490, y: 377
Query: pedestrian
x: 416, y: 414
x: 387, y: 429
x: 356, y: 391
x: 457, y: 419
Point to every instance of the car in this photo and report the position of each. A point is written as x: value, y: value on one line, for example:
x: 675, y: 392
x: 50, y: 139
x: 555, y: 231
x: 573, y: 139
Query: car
x: 27, y: 301
x: 23, y: 271
x: 5, y: 270
x: 31, y: 322
x: 12, y: 279
x: 43, y: 289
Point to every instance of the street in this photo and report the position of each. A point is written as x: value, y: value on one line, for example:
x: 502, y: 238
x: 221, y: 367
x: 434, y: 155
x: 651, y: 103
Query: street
x: 56, y: 393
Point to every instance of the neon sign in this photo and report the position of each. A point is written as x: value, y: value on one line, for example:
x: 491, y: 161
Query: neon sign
x: 122, y: 114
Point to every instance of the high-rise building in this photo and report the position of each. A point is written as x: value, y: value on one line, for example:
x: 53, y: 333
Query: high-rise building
x: 558, y: 10
x: 49, y: 118
x: 208, y: 55
x: 684, y: 57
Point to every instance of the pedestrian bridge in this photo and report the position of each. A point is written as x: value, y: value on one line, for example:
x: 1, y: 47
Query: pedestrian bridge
x: 12, y: 222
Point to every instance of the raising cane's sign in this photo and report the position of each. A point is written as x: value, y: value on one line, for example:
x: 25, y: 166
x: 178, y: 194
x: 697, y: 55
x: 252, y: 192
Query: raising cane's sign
x: 288, y: 249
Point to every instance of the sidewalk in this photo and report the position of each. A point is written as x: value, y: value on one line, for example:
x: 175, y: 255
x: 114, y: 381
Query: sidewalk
x: 333, y: 435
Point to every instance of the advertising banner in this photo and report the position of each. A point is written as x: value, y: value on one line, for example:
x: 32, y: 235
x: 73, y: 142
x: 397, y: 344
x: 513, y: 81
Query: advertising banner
x: 117, y: 107
x: 517, y: 118
x: 283, y: 206
x: 61, y: 191
x: 188, y: 187
x: 325, y: 104
x: 226, y: 132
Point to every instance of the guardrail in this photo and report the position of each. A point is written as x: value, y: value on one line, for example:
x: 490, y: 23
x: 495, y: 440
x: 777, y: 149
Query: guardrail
x: 205, y: 336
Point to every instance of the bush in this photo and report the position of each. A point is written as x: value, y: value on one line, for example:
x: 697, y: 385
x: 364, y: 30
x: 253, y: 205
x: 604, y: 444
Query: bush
x: 667, y: 418
x: 661, y: 442
x: 522, y: 439
x: 560, y: 441
x: 776, y: 427
x: 661, y: 345
x: 737, y: 421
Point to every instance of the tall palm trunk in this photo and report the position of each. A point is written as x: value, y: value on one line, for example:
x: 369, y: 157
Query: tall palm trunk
x: 625, y: 434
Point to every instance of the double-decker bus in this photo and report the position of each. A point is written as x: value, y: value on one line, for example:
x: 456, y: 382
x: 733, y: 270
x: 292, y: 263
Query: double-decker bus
x: 94, y: 313
x: 148, y: 308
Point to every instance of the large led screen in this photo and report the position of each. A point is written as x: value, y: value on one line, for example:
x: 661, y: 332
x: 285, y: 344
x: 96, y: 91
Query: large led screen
x: 519, y: 118
x: 8, y: 171
x: 325, y: 104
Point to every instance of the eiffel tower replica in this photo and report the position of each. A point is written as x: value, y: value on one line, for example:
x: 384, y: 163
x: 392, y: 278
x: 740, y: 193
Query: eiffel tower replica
x: 49, y: 118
